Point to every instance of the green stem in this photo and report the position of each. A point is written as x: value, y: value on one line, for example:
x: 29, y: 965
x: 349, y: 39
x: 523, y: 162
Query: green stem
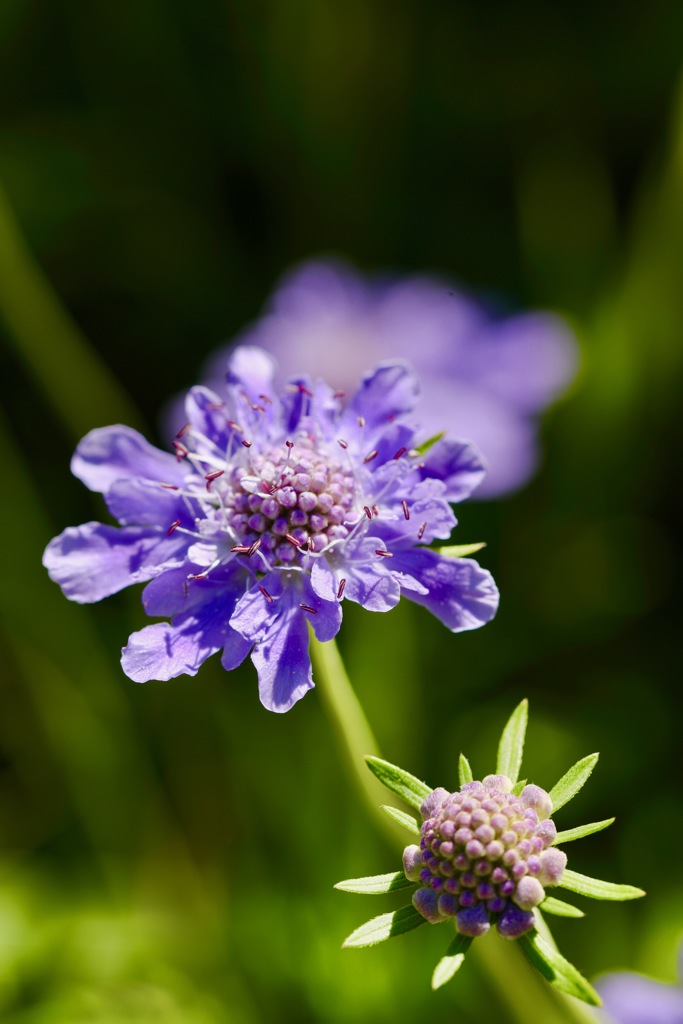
x: 72, y: 376
x: 526, y: 995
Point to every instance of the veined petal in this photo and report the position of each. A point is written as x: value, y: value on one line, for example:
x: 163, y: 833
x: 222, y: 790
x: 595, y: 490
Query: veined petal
x: 283, y: 663
x: 388, y: 391
x: 205, y: 411
x: 166, y: 650
x: 92, y: 561
x: 458, y: 464
x: 460, y: 593
x: 108, y: 454
x: 172, y: 593
x: 367, y: 576
x: 136, y: 502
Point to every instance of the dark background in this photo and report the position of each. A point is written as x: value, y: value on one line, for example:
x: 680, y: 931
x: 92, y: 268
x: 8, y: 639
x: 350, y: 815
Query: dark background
x: 168, y: 851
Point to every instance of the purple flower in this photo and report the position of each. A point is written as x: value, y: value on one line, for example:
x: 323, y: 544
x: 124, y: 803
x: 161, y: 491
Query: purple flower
x: 270, y: 512
x: 633, y: 999
x: 483, y: 377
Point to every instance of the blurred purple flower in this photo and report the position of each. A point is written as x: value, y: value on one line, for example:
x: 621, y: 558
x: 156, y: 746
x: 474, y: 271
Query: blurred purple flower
x: 271, y: 512
x: 483, y: 377
x: 634, y: 999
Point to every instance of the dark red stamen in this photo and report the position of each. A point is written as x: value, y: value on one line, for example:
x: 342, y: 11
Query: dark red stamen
x: 383, y: 554
x: 305, y: 391
x: 241, y: 549
x: 258, y: 408
x: 371, y: 456
x: 266, y: 595
x: 234, y: 426
x: 210, y: 477
x: 184, y: 430
x: 307, y: 608
x: 264, y: 398
x: 420, y: 532
x: 171, y: 487
x: 247, y: 444
x: 375, y: 510
x: 254, y: 547
x: 340, y: 592
x: 406, y: 510
x: 293, y: 540
x: 290, y: 444
x: 367, y: 511
x: 361, y: 421
x: 197, y: 576
x: 181, y: 451
x: 342, y: 444
x: 173, y: 527
x: 400, y: 452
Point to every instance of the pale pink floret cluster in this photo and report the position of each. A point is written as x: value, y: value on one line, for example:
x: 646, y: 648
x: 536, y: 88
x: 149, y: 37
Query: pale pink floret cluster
x: 485, y: 855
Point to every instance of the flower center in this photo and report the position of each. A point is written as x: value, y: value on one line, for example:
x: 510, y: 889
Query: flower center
x: 289, y: 500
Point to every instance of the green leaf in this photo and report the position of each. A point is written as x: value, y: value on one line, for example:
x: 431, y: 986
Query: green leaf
x: 570, y: 784
x: 560, y: 908
x: 401, y: 783
x: 518, y: 787
x: 386, y: 926
x: 581, y: 831
x: 512, y: 742
x: 451, y: 962
x: 375, y: 884
x: 407, y: 820
x: 460, y: 550
x: 464, y: 771
x: 596, y: 888
x: 555, y: 969
x: 429, y: 443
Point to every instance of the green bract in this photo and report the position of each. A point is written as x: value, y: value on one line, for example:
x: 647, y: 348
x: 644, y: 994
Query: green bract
x: 487, y: 853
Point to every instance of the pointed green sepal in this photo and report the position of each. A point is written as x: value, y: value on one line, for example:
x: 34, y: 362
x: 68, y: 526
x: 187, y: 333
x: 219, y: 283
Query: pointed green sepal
x: 452, y: 961
x: 596, y: 888
x: 555, y: 969
x: 512, y: 742
x: 406, y: 820
x: 518, y: 787
x: 430, y: 442
x: 464, y: 771
x: 561, y: 909
x: 401, y: 783
x: 582, y: 830
x: 375, y: 884
x: 386, y: 926
x: 461, y: 550
x: 570, y: 784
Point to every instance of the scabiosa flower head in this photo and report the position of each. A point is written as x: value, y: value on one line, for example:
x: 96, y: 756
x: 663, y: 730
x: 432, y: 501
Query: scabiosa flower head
x: 484, y: 376
x: 487, y: 854
x: 270, y: 511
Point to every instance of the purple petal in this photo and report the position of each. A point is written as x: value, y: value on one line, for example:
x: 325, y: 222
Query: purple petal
x: 431, y: 517
x: 251, y: 370
x: 146, y: 503
x: 164, y: 651
x: 460, y: 593
x: 633, y: 999
x: 172, y: 593
x: 92, y: 561
x: 108, y: 454
x: 283, y: 663
x: 458, y: 464
x: 387, y: 392
x: 206, y: 411
x: 368, y: 576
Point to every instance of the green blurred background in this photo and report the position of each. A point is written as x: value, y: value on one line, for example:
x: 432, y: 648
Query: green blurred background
x: 167, y: 852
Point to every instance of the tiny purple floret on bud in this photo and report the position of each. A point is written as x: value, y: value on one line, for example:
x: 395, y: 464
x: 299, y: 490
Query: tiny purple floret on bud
x: 538, y: 799
x: 473, y: 920
x: 529, y: 893
x: 412, y: 863
x: 553, y: 863
x: 500, y: 782
x: 426, y: 902
x: 515, y: 922
x: 448, y: 905
x: 547, y: 831
x: 433, y: 802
